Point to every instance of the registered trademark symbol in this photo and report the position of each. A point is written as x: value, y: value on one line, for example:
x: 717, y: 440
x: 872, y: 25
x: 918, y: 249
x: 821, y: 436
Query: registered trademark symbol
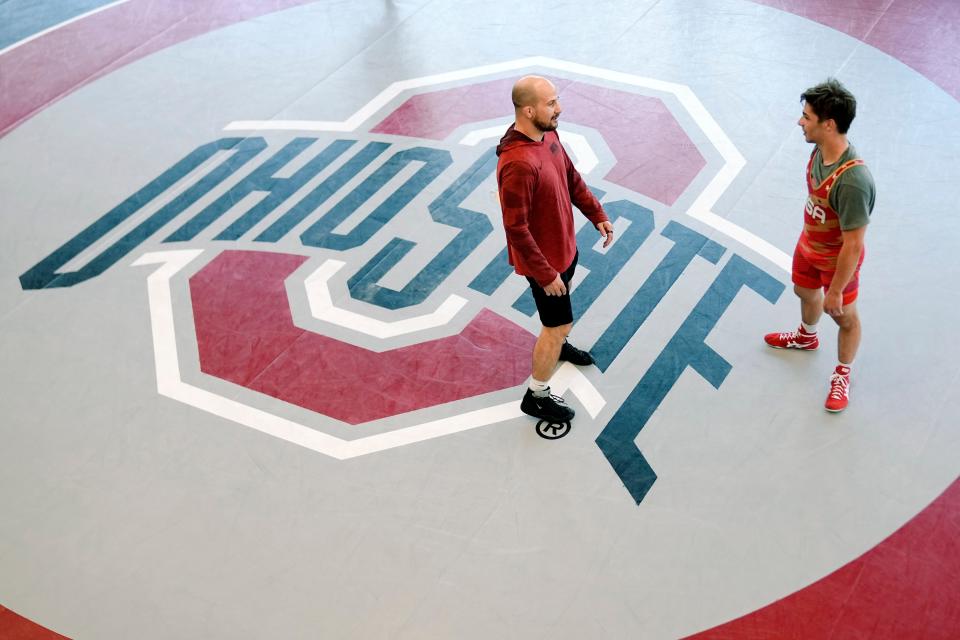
x: 552, y: 430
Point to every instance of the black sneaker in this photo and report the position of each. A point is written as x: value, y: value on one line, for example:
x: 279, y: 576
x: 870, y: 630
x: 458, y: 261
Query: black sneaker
x: 571, y: 354
x: 548, y: 407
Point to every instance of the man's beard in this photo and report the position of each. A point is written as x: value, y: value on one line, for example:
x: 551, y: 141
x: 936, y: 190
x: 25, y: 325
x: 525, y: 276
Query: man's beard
x: 545, y: 125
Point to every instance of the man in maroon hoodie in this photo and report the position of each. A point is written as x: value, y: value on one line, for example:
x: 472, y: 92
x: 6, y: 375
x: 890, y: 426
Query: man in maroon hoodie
x: 537, y: 185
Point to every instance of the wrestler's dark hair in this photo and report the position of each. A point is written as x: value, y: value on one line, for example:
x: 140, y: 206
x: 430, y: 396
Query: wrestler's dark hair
x: 831, y: 100
x: 522, y: 96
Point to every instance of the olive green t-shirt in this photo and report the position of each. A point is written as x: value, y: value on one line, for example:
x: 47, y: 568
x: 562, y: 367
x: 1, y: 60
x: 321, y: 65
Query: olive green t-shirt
x: 853, y: 194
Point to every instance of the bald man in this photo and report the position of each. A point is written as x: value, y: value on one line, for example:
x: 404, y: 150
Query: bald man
x: 538, y: 186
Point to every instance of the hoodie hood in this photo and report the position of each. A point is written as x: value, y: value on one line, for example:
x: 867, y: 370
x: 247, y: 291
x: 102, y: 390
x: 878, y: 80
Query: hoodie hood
x: 513, y: 139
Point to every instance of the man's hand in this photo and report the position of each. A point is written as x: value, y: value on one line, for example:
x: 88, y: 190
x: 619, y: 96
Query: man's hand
x: 556, y: 288
x: 606, y: 230
x: 833, y: 303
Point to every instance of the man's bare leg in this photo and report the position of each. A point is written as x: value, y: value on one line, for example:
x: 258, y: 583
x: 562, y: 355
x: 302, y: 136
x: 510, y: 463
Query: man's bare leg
x: 546, y: 352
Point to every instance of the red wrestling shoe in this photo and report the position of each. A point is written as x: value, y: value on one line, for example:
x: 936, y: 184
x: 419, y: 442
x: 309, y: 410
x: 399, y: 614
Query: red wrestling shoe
x: 798, y: 339
x: 839, y: 394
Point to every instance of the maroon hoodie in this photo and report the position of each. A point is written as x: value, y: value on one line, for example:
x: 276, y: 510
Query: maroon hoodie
x: 537, y: 185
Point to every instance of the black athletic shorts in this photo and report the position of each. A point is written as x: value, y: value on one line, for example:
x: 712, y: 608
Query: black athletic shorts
x: 555, y: 310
